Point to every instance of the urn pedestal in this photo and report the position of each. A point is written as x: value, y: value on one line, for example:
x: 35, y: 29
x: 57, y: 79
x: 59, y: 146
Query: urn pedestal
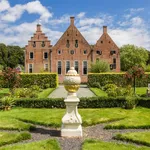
x: 71, y: 121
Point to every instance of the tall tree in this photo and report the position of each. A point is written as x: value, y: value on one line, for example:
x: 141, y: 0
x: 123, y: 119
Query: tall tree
x: 132, y: 55
x: 11, y: 56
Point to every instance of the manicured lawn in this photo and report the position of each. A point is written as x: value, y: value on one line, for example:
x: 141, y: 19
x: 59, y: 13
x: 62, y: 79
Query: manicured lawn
x: 137, y: 137
x: 98, y: 92
x: 137, y: 118
x: 50, y: 144
x: 10, y: 123
x: 8, y: 138
x: 99, y: 145
x: 45, y: 93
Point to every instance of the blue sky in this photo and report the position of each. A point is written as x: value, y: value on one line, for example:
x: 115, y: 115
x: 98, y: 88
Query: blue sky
x: 128, y: 21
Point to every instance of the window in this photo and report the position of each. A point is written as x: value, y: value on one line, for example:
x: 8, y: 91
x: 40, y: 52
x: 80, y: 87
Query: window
x: 30, y: 68
x: 112, y: 52
x: 59, y: 67
x: 59, y: 52
x: 67, y: 44
x: 45, y: 67
x: 34, y: 44
x: 85, y: 52
x: 98, y: 52
x: 76, y: 66
x: 114, y: 63
x: 72, y: 52
x: 31, y: 56
x: 45, y: 55
x: 101, y: 41
x: 43, y: 44
x: 84, y: 67
x: 111, y: 66
x: 67, y: 66
x: 76, y: 43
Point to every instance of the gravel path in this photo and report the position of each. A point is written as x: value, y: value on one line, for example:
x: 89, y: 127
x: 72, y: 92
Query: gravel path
x: 94, y: 132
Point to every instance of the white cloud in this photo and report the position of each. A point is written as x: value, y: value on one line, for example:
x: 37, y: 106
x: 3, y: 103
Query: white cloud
x: 91, y: 21
x: 137, y: 21
x: 135, y: 10
x: 14, y: 13
x: 81, y: 15
x: 4, y: 5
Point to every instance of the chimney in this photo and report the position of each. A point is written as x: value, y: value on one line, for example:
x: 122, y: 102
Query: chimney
x: 71, y: 20
x: 38, y: 28
x: 104, y: 29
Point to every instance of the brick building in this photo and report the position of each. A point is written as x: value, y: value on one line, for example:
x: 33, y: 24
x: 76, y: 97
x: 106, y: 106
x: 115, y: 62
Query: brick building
x: 71, y: 50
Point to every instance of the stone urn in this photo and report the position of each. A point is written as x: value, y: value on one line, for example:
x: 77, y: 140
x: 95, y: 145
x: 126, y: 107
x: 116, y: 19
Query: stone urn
x: 72, y: 81
x: 71, y: 121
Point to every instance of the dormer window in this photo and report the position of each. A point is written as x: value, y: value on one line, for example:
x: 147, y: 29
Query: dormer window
x: 112, y: 52
x: 34, y: 44
x: 67, y: 44
x: 31, y: 56
x: 76, y: 43
x: 43, y: 44
x: 98, y: 52
x: 59, y: 52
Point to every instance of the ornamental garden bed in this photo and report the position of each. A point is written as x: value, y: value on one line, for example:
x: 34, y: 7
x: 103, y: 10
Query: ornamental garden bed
x: 100, y: 125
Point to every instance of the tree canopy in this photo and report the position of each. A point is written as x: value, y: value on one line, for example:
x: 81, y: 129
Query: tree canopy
x: 11, y: 56
x: 131, y: 55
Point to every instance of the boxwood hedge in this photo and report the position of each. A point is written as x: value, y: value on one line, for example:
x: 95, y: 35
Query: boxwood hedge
x: 89, y: 102
x: 44, y: 80
x: 115, y: 78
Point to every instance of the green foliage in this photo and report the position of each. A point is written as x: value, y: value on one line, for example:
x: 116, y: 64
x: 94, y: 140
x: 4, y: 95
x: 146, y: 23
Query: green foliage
x: 131, y: 55
x: 45, y: 93
x: 9, y: 138
x: 7, y: 102
x: 50, y: 144
x: 43, y: 80
x: 115, y: 78
x: 136, y: 137
x: 131, y: 102
x: 99, y: 66
x: 11, y: 56
x: 100, y: 145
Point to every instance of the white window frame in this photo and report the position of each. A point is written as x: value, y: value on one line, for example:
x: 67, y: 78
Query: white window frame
x: 44, y: 55
x: 66, y: 65
x: 78, y: 65
x: 45, y: 67
x: 30, y: 57
x: 29, y: 67
x: 57, y: 67
x: 83, y: 67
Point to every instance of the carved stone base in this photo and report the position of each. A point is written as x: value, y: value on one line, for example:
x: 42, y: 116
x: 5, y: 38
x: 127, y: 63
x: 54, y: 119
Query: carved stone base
x: 71, y: 131
x: 71, y: 122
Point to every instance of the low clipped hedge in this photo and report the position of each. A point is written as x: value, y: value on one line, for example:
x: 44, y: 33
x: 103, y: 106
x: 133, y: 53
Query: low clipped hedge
x: 95, y: 79
x: 44, y: 80
x: 89, y: 102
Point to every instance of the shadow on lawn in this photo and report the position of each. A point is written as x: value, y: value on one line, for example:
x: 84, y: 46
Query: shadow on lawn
x: 42, y: 130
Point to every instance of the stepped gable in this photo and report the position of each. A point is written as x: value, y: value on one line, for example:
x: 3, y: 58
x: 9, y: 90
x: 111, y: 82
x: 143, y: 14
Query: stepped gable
x: 39, y: 37
x: 39, y: 47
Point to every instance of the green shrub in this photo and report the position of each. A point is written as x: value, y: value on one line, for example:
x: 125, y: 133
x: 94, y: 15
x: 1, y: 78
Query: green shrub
x: 43, y: 80
x: 114, y: 78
